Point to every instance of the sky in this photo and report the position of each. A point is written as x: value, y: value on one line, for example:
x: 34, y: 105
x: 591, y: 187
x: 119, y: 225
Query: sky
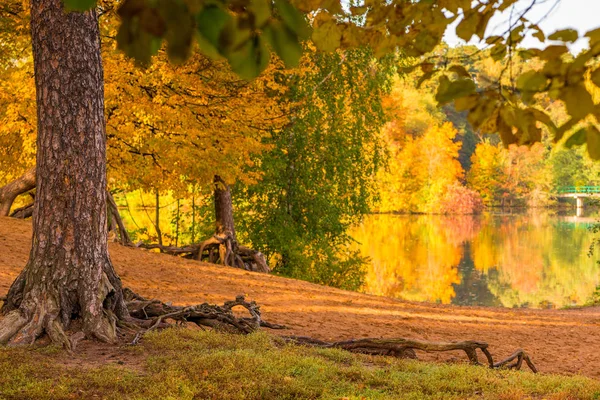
x: 582, y: 15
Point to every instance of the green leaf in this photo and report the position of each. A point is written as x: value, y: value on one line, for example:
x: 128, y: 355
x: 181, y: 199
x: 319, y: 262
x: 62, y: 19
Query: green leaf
x: 451, y: 90
x: 565, y: 35
x: 141, y: 30
x: 577, y: 139
x: 528, y: 54
x: 593, y: 142
x: 79, y: 5
x: 460, y: 71
x: 249, y: 59
x: 532, y: 82
x: 180, y: 30
x: 564, y: 128
x: 210, y: 23
x: 261, y: 10
x: 284, y: 42
x: 293, y: 18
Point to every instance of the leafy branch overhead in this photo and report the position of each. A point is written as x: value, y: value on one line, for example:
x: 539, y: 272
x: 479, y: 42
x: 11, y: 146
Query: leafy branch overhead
x: 246, y: 31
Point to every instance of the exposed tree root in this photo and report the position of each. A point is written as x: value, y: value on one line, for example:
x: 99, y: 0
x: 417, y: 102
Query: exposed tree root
x: 224, y: 249
x: 145, y: 315
x: 219, y: 249
x: 203, y: 315
x: 404, y: 348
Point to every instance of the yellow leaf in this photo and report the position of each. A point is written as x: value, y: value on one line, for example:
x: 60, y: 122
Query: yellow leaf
x: 565, y: 35
x: 327, y: 36
x: 468, y: 26
x: 578, y: 100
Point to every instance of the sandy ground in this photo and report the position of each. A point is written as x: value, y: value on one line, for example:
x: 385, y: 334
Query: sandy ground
x: 559, y: 341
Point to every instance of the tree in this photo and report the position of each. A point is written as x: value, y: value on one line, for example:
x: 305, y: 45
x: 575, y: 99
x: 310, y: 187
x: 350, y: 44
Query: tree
x: 320, y: 176
x: 69, y: 273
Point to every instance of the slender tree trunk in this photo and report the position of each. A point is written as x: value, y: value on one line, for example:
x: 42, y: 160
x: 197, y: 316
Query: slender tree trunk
x: 177, y: 224
x: 157, y: 219
x: 194, y: 215
x: 116, y: 219
x: 69, y: 274
x: 9, y: 192
x: 223, y: 208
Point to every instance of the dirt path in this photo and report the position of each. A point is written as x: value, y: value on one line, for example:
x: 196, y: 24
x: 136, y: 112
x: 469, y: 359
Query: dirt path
x: 559, y: 341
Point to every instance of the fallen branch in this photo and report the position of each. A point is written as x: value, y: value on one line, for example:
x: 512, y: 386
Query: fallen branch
x: 404, y: 348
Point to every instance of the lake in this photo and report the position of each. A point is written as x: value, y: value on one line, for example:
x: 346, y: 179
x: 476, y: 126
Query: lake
x: 537, y: 259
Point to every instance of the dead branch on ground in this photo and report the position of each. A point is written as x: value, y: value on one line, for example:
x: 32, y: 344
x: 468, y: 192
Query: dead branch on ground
x: 405, y: 348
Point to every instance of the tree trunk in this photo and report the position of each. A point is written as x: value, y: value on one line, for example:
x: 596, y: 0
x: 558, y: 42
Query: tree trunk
x: 9, y: 192
x: 157, y: 219
x: 223, y: 246
x: 223, y: 209
x: 69, y: 275
x: 116, y: 219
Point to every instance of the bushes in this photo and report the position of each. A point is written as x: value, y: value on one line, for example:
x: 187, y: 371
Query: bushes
x: 459, y: 199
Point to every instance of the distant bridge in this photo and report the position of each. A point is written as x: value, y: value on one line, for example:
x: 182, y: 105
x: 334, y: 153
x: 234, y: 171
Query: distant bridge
x: 578, y: 193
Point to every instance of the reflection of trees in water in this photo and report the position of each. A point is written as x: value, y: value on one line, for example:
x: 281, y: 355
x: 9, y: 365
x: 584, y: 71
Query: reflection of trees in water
x: 473, y: 287
x: 415, y: 257
x: 552, y: 269
x: 509, y: 260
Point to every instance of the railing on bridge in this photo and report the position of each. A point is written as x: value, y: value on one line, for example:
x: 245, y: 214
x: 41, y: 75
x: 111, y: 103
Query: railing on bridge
x: 579, y: 189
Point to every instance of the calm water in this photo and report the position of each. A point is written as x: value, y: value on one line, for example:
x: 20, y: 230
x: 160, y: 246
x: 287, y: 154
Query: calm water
x: 534, y: 260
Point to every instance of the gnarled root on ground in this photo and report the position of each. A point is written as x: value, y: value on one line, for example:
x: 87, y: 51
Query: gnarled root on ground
x: 204, y: 315
x: 142, y: 315
x: 405, y: 348
x: 218, y: 249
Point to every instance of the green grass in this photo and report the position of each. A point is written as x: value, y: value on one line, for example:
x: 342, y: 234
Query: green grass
x: 186, y: 364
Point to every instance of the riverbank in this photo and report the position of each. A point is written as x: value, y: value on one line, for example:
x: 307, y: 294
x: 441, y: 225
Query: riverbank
x: 559, y: 341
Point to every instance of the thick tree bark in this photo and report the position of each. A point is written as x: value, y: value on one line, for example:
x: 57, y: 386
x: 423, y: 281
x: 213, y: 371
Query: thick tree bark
x: 69, y: 274
x: 9, y: 192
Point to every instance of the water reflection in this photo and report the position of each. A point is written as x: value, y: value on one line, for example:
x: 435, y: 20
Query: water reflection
x: 533, y: 260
